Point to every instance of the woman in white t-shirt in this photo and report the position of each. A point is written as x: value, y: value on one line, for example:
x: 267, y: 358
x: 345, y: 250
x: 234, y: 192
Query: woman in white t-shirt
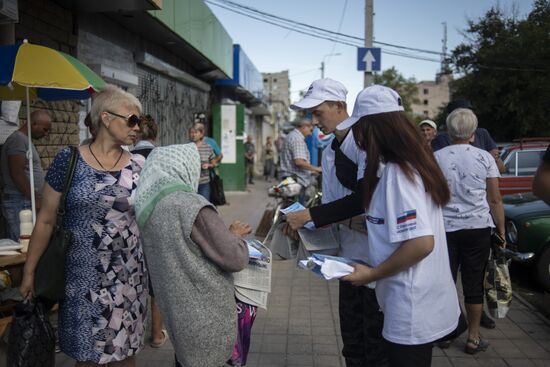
x: 472, y: 175
x: 404, y: 191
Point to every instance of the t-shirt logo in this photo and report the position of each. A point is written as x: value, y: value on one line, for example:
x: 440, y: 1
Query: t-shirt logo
x: 406, y: 221
x: 406, y: 216
x: 375, y: 220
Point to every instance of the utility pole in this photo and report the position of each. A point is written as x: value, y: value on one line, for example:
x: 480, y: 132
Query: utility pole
x: 369, y: 12
x: 323, y: 69
x: 444, y: 61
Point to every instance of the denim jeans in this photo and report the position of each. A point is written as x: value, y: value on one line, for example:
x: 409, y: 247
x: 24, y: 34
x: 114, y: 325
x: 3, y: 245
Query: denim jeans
x: 204, y: 190
x: 12, y: 204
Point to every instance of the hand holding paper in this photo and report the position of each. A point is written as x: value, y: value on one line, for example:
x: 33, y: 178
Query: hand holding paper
x: 296, y: 220
x: 362, y: 275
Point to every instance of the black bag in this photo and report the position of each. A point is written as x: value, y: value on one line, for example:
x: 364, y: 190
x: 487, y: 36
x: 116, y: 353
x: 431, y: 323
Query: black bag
x: 217, y: 196
x: 49, y: 278
x: 31, y: 341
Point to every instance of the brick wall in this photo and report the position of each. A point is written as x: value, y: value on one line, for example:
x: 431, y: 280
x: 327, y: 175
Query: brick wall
x: 48, y: 24
x: 64, y: 131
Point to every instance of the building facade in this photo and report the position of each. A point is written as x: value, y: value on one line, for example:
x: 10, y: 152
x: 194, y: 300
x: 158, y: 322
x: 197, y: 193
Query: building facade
x: 277, y: 95
x: 432, y: 96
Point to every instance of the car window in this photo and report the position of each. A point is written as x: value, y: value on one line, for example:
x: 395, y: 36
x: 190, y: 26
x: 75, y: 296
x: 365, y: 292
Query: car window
x: 527, y: 164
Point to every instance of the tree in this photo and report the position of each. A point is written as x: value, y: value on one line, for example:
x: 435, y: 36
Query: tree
x: 505, y: 64
x: 406, y: 88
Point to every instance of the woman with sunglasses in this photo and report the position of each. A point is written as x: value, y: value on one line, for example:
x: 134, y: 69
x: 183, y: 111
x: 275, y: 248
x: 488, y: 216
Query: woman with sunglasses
x: 404, y: 192
x: 102, y: 317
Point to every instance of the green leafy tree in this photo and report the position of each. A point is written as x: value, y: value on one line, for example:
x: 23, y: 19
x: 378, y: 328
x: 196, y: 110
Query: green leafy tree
x: 406, y: 87
x: 505, y: 64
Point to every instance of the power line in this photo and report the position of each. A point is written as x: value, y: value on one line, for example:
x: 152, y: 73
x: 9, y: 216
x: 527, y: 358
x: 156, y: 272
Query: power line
x: 283, y: 26
x: 309, y: 26
x: 325, y: 34
x: 339, y: 27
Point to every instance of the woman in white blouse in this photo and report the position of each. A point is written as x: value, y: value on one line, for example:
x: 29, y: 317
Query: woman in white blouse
x: 471, y: 214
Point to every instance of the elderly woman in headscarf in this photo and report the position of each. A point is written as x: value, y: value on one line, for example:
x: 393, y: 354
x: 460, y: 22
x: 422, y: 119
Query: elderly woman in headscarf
x: 191, y: 255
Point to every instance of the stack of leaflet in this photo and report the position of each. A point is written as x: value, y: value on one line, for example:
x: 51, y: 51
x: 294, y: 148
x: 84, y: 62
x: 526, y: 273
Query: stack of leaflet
x: 328, y: 267
x: 331, y: 267
x: 9, y: 247
x: 317, y: 241
x: 253, y: 283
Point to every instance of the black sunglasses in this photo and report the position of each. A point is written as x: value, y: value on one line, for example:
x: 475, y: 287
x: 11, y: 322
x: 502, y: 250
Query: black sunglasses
x: 131, y: 120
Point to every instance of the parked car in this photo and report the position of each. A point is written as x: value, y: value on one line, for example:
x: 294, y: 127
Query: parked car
x: 528, y: 230
x: 521, y: 161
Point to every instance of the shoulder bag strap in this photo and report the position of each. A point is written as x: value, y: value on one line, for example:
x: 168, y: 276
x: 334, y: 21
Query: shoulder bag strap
x: 67, y: 184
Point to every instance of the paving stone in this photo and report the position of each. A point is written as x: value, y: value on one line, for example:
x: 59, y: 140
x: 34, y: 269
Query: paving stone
x: 541, y: 362
x: 531, y: 349
x: 300, y: 348
x: 326, y: 349
x: 506, y: 349
x: 464, y: 362
x: 274, y: 338
x: 272, y: 360
x: 326, y: 361
x: 299, y: 360
x: 521, y: 362
x: 278, y: 348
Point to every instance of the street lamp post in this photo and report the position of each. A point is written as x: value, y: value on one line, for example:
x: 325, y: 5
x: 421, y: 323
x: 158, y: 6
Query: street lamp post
x: 323, y: 63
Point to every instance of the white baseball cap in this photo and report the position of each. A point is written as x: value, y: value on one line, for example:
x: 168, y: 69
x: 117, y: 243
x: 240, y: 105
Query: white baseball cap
x: 320, y: 91
x: 371, y: 101
x: 428, y: 122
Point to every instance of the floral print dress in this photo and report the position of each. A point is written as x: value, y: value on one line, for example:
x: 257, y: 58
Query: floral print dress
x: 103, y: 316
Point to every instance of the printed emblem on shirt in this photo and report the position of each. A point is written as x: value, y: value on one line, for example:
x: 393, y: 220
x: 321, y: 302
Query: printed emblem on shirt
x: 375, y: 220
x: 406, y: 221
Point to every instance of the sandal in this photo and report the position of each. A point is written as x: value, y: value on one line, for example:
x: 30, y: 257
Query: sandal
x: 162, y: 341
x: 481, y: 345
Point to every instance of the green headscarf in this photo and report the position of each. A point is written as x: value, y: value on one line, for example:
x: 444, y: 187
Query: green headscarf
x: 167, y: 169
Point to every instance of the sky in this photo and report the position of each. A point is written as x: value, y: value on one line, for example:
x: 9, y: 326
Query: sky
x: 410, y: 23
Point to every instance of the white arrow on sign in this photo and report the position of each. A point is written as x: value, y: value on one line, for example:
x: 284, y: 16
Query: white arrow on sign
x: 368, y: 60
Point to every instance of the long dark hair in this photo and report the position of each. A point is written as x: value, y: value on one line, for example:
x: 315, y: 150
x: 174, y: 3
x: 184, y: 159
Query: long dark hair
x: 391, y: 138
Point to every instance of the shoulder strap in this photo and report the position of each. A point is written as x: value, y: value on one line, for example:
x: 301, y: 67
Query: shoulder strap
x: 67, y: 184
x: 346, y: 169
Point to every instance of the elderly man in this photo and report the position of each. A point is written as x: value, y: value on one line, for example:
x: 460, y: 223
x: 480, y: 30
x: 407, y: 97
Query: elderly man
x: 15, y: 170
x: 295, y: 160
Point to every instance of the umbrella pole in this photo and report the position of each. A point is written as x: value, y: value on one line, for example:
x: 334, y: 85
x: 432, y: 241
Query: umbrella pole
x: 29, y: 157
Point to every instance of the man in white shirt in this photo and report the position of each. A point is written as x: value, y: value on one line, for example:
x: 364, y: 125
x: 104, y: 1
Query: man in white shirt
x: 343, y: 164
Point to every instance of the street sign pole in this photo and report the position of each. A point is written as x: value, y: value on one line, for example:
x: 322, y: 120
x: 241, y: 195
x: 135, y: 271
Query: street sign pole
x: 369, y: 77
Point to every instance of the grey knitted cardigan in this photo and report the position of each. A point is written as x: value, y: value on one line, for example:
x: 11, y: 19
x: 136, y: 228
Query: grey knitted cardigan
x: 195, y: 296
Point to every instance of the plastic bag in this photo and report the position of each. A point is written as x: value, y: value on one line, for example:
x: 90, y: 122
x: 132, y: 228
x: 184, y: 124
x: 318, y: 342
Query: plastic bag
x: 31, y: 341
x: 498, y: 285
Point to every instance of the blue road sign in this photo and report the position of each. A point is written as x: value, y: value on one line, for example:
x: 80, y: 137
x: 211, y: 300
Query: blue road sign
x: 369, y: 59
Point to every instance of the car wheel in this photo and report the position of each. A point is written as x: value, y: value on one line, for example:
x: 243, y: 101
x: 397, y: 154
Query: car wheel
x: 543, y: 269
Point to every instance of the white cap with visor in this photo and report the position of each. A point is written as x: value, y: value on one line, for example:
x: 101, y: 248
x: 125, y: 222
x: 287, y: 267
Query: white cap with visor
x: 320, y: 91
x: 371, y: 101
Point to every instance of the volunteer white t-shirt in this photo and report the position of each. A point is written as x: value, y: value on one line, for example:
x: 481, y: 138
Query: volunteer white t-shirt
x: 467, y: 168
x: 420, y: 304
x: 353, y: 244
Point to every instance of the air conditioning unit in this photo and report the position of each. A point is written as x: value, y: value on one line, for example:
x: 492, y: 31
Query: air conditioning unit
x: 8, y: 12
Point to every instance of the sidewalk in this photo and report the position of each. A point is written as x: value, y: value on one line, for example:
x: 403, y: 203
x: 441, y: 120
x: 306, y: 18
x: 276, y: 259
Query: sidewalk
x: 301, y: 326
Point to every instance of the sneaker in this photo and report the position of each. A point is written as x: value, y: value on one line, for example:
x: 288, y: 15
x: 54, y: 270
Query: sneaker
x: 486, y: 321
